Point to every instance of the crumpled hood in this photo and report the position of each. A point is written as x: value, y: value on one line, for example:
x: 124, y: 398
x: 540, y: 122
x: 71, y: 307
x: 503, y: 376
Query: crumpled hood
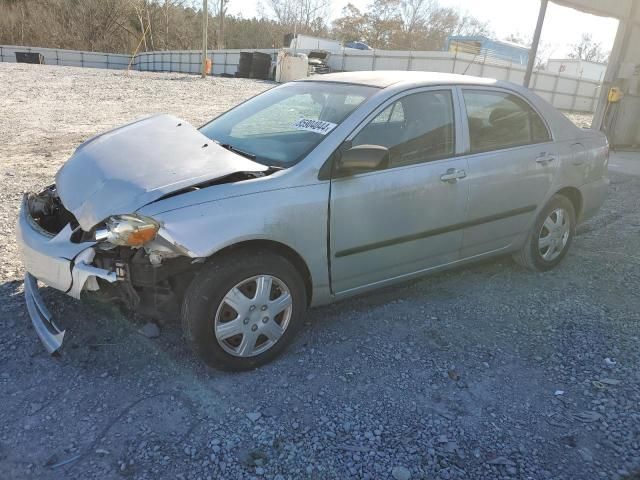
x: 122, y: 170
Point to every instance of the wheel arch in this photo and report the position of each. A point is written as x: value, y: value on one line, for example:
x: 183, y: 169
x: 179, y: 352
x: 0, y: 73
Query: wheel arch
x: 575, y: 197
x: 279, y: 249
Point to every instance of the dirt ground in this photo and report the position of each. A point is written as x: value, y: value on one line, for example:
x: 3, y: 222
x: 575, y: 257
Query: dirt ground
x: 488, y: 371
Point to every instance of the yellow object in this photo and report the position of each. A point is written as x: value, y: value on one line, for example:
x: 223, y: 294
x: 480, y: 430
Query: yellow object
x: 615, y: 95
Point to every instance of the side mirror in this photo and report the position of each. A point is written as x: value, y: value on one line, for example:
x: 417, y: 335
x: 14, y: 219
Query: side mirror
x: 362, y: 158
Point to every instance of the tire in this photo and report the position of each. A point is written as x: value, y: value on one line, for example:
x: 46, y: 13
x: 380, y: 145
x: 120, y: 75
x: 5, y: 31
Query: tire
x: 207, y: 317
x: 546, y: 247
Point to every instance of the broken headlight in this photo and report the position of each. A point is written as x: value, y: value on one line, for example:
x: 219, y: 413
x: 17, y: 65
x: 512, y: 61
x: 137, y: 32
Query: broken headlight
x: 128, y: 230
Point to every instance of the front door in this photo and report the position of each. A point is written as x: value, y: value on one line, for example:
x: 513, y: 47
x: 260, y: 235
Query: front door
x: 402, y: 219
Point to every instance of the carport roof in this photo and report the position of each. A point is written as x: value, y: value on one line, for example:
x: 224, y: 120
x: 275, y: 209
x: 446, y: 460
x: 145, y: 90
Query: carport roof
x: 386, y: 78
x: 618, y: 9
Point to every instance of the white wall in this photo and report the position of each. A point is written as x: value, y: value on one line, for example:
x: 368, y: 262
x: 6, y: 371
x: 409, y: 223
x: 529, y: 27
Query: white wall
x: 72, y: 58
x: 577, y: 68
x: 563, y: 91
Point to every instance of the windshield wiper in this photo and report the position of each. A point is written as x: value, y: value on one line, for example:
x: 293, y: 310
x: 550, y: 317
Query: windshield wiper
x: 233, y: 149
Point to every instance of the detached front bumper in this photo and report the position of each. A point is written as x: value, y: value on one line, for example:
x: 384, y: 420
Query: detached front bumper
x: 59, y: 263
x: 49, y: 333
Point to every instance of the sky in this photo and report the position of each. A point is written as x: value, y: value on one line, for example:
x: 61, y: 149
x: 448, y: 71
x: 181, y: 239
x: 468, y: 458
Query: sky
x: 563, y: 26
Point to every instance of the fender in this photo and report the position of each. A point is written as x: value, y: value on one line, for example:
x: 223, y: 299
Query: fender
x: 204, y: 229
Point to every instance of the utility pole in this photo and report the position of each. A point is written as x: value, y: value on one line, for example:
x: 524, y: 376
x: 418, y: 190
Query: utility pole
x: 205, y: 18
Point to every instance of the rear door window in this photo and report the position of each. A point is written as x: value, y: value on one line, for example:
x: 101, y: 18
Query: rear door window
x: 499, y: 120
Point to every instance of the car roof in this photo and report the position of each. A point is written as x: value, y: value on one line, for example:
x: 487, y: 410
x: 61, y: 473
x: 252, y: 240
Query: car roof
x: 386, y: 78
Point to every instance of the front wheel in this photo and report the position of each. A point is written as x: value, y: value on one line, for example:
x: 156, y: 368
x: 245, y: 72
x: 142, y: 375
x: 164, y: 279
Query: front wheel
x: 551, y: 236
x: 241, y: 311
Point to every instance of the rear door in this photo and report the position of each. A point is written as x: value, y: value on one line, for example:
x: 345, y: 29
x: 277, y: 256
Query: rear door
x: 393, y: 222
x: 511, y: 165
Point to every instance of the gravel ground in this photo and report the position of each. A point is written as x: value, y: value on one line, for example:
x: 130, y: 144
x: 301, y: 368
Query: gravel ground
x: 582, y: 120
x: 487, y: 371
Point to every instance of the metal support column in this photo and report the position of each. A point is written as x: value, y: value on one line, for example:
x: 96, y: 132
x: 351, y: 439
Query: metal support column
x: 618, y: 52
x: 536, y: 41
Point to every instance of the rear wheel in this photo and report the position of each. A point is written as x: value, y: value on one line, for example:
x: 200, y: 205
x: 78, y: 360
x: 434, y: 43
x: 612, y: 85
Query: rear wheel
x: 241, y: 311
x: 551, y: 236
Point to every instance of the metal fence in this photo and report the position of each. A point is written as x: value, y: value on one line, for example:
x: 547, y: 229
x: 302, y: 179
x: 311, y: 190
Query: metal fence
x: 563, y: 91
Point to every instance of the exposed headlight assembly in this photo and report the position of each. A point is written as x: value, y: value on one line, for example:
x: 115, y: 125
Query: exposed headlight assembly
x: 128, y: 230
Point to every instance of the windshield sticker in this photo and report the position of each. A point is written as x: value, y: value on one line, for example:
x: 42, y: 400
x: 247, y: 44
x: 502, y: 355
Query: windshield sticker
x: 317, y: 126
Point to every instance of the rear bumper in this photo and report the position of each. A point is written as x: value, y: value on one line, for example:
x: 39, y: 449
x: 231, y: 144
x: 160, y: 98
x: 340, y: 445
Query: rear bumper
x: 594, y: 195
x: 59, y: 263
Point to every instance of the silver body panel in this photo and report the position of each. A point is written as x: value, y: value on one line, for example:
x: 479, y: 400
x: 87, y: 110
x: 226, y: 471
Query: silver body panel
x: 120, y: 170
x: 326, y: 222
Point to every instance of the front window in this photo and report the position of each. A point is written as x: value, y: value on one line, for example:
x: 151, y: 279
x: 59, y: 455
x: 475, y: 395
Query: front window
x: 417, y: 128
x: 282, y: 125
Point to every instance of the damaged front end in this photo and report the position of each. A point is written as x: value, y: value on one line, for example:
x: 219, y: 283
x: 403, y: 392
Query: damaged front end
x: 85, y: 233
x: 53, y: 253
x: 124, y: 257
x: 150, y: 283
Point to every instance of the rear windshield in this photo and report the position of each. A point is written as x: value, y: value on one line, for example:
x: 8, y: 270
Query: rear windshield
x: 282, y: 125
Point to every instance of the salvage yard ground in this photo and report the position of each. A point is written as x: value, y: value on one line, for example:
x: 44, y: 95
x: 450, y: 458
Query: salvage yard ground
x: 487, y: 371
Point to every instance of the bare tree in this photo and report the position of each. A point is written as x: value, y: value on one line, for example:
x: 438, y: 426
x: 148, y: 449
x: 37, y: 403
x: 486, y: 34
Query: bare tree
x: 414, y: 15
x: 168, y: 7
x: 469, y: 25
x: 588, y: 49
x: 118, y: 25
x: 220, y: 10
x: 545, y: 49
x: 139, y: 6
x: 291, y: 13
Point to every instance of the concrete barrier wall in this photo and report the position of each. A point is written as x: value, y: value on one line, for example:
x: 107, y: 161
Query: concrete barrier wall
x: 72, y: 58
x: 563, y: 91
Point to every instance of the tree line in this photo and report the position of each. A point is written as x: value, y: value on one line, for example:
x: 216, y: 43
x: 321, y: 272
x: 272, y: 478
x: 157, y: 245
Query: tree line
x: 120, y: 26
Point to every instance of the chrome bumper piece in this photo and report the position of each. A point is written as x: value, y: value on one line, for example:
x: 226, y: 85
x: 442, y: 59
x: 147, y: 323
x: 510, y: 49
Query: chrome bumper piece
x: 49, y: 333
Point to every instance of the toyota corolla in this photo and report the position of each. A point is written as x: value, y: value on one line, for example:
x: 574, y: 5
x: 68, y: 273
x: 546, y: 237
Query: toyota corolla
x: 308, y: 193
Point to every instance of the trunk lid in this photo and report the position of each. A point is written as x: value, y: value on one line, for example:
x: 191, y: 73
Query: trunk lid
x: 124, y: 169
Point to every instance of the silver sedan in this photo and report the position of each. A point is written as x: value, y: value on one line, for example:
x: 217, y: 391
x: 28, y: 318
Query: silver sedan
x: 308, y: 193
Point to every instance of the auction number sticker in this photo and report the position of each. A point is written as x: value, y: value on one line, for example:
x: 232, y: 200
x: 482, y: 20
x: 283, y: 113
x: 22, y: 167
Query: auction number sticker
x: 318, y: 126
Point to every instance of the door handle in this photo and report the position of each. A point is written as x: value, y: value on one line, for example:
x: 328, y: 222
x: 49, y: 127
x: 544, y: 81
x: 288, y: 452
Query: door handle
x: 453, y: 175
x: 544, y: 158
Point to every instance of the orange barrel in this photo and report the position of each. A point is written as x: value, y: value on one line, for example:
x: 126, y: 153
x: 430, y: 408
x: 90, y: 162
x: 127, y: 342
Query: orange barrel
x: 207, y: 66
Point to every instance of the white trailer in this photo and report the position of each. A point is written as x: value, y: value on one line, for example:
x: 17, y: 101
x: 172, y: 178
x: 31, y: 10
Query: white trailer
x: 306, y: 42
